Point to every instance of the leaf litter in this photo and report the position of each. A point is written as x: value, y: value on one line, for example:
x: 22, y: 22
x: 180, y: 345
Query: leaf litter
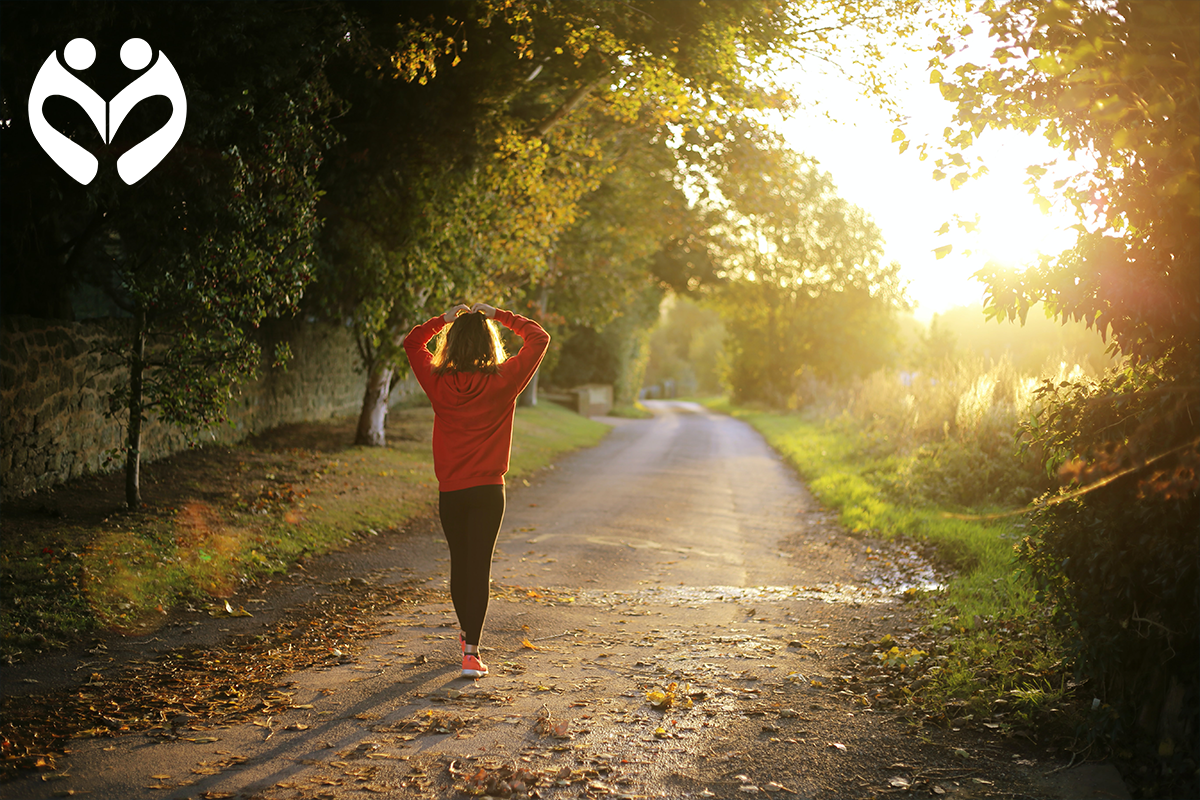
x: 194, y: 689
x: 724, y: 693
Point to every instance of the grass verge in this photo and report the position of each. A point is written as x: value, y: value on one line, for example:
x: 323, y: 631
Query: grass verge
x: 72, y: 561
x: 634, y: 410
x: 993, y: 654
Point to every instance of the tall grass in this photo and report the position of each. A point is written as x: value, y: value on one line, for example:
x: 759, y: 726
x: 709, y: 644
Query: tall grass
x: 953, y: 430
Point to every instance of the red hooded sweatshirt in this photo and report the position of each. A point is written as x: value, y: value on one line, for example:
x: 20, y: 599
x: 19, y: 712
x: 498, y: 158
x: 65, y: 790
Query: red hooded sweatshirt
x: 473, y: 411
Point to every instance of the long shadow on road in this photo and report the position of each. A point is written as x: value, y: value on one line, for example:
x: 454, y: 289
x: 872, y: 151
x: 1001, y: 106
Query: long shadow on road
x: 673, y: 616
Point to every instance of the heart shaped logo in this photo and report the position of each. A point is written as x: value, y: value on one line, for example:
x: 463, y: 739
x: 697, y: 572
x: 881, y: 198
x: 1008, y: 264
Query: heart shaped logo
x: 53, y: 79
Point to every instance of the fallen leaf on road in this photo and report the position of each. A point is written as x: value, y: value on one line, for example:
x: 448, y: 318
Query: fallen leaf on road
x: 673, y: 695
x: 548, y: 727
x: 838, y: 746
x: 899, y: 783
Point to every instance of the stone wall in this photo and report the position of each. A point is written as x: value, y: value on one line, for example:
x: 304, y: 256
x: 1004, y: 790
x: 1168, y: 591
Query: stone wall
x: 54, y: 382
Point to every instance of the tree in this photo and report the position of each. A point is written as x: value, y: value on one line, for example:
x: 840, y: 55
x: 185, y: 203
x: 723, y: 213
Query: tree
x: 805, y: 290
x: 687, y: 347
x: 602, y: 291
x: 213, y: 240
x: 505, y: 114
x: 1114, y: 84
x: 438, y: 193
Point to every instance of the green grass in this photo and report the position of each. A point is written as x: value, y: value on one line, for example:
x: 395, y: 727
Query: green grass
x: 545, y: 432
x: 1000, y: 644
x: 232, y: 516
x: 634, y: 410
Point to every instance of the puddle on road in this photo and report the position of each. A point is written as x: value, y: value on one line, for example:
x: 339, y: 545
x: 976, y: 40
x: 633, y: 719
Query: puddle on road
x: 897, y: 568
x: 893, y: 570
x: 699, y: 595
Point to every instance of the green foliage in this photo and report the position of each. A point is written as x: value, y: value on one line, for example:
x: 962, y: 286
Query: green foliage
x: 954, y: 429
x: 687, y: 348
x: 805, y: 294
x: 1115, y: 83
x: 1033, y: 347
x: 1122, y: 573
x: 616, y: 354
x: 586, y: 356
x: 601, y: 288
x: 1120, y: 560
x: 844, y: 471
x: 1118, y: 82
x: 219, y: 235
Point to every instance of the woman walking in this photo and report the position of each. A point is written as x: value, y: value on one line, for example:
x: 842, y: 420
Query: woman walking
x: 473, y: 388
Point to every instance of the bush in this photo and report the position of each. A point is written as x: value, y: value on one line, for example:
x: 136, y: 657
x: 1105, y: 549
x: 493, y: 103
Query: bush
x: 1120, y: 558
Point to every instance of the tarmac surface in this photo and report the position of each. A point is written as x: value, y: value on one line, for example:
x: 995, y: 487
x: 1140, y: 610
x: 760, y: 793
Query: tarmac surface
x: 673, y: 615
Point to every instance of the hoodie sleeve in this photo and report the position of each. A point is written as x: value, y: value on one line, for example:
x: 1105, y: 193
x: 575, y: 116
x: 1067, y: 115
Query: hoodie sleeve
x: 419, y: 357
x: 533, y: 347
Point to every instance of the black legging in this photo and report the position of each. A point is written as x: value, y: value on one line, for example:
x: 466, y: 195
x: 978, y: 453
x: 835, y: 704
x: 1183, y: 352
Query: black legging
x: 471, y: 521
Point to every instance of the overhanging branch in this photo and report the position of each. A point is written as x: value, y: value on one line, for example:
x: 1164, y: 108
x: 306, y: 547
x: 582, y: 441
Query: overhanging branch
x: 573, y: 102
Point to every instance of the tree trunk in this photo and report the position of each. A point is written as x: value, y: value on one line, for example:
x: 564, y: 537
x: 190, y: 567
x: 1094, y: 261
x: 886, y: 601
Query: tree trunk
x: 528, y: 396
x: 133, y: 455
x: 374, y: 407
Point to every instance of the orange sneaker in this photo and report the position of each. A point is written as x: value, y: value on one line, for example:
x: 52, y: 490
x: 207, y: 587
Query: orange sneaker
x: 472, y: 666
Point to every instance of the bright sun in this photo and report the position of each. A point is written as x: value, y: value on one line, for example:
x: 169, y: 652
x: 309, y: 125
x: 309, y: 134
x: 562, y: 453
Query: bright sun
x: 1012, y: 230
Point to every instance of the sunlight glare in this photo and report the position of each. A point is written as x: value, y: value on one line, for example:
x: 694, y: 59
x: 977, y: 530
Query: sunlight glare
x: 1012, y: 230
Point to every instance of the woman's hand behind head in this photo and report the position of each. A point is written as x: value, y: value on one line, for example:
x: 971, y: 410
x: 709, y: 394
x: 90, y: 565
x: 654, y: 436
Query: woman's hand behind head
x: 485, y: 309
x: 461, y: 308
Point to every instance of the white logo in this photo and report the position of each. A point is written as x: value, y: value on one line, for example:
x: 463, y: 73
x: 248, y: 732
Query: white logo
x: 161, y: 79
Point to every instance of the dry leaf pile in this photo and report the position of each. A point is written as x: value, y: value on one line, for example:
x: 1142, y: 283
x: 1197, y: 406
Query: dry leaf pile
x: 430, y: 722
x: 192, y: 689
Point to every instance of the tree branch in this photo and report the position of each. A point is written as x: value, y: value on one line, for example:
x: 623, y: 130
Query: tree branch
x: 573, y: 102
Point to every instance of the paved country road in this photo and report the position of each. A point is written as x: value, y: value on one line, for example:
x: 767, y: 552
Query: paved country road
x: 679, y: 564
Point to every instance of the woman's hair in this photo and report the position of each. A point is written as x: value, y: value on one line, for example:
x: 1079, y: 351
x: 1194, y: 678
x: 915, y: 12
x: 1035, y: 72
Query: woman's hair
x: 469, y: 344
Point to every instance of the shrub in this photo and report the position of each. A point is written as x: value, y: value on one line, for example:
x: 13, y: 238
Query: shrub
x: 1120, y: 558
